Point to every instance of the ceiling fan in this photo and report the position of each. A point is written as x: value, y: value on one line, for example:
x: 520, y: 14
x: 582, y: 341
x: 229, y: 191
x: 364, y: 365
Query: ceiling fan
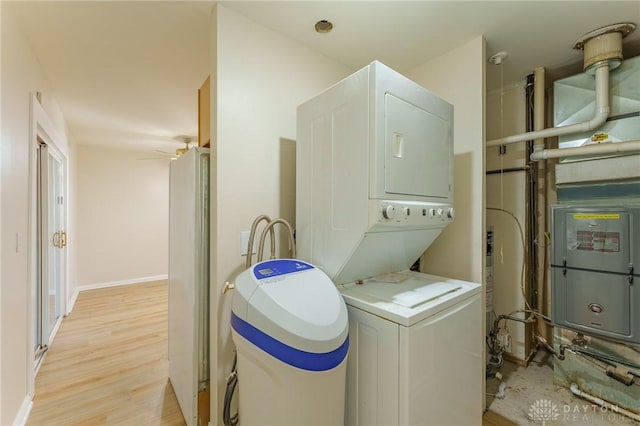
x: 187, y: 140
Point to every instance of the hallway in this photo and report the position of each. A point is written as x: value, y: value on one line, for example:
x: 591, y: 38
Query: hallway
x: 108, y: 363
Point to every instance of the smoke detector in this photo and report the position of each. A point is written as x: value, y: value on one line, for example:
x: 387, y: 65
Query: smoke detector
x: 604, y: 45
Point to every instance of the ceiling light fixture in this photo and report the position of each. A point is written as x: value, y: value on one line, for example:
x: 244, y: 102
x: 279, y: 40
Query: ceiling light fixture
x: 498, y: 58
x: 323, y: 26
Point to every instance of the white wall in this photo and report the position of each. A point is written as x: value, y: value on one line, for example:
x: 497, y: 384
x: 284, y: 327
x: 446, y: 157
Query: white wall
x: 21, y: 76
x: 506, y: 115
x: 458, y: 77
x: 122, y: 216
x: 261, y: 78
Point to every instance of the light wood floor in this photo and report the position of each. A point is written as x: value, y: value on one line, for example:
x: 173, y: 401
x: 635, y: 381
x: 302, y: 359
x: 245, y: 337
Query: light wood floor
x: 108, y: 363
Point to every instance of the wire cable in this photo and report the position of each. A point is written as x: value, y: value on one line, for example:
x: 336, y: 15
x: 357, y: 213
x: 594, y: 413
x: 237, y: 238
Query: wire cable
x: 522, y: 239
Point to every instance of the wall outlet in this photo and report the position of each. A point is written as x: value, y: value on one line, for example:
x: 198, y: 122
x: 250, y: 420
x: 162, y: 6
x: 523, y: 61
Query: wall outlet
x: 504, y: 339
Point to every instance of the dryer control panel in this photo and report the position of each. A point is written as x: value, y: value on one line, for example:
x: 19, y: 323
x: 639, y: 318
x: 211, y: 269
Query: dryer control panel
x: 411, y: 214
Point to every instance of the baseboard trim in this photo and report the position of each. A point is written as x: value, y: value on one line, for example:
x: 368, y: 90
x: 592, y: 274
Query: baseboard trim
x: 85, y: 287
x: 72, y: 302
x: 23, y: 413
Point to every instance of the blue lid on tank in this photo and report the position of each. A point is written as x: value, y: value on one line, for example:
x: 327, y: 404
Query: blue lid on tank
x: 274, y: 268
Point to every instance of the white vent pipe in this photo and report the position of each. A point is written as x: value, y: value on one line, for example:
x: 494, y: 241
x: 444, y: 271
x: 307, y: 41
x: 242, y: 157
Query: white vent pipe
x: 595, y: 149
x: 602, y: 403
x: 601, y: 115
x: 539, y: 153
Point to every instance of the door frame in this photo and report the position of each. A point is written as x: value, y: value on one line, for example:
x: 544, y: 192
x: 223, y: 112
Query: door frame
x: 42, y: 128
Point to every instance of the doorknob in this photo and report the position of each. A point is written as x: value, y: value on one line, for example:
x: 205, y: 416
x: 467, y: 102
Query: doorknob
x: 59, y: 239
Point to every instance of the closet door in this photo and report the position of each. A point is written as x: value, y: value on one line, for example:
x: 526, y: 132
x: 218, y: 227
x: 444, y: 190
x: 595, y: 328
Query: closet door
x: 52, y: 241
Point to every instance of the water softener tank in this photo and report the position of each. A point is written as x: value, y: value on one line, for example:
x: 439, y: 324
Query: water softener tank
x: 290, y: 328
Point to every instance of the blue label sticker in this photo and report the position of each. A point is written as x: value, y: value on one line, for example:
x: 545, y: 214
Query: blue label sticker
x: 276, y: 267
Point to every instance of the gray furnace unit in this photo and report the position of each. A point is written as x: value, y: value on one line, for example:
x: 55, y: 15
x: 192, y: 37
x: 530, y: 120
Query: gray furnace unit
x: 596, y: 270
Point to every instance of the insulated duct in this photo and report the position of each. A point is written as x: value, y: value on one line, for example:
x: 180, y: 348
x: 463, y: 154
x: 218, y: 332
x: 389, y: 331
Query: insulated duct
x: 602, y: 52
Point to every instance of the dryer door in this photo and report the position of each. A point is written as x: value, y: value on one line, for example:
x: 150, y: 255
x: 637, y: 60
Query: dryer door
x: 418, y: 148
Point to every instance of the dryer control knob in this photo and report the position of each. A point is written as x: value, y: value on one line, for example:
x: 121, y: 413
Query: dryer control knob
x: 388, y: 212
x: 451, y: 213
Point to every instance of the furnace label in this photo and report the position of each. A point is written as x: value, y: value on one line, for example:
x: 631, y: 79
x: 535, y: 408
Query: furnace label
x: 606, y: 242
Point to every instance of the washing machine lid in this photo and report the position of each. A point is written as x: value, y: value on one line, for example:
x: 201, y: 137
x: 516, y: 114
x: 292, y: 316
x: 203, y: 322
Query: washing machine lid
x: 293, y: 311
x: 407, y: 297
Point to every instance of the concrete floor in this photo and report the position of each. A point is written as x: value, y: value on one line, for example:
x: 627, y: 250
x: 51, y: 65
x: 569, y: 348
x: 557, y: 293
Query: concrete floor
x: 531, y: 398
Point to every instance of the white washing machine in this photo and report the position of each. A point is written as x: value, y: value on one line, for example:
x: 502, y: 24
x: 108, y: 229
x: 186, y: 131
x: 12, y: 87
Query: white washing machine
x: 415, y: 355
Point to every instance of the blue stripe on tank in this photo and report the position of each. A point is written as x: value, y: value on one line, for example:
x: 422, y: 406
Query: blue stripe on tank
x: 310, y: 361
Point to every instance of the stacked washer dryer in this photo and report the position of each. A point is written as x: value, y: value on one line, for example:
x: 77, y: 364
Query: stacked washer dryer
x: 374, y: 190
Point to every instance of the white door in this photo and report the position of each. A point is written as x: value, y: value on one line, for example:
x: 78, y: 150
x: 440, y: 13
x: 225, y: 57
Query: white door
x: 51, y: 243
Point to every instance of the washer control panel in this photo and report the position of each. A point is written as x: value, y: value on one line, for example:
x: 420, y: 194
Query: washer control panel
x: 411, y: 213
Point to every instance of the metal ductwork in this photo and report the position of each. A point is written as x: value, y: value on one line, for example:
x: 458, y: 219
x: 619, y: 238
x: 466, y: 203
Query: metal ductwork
x: 602, y: 53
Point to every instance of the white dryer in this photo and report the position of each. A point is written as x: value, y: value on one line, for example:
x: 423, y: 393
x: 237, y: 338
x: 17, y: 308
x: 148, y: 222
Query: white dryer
x: 415, y: 355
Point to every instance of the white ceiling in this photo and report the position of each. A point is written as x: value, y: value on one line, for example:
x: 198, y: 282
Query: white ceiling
x: 127, y: 73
